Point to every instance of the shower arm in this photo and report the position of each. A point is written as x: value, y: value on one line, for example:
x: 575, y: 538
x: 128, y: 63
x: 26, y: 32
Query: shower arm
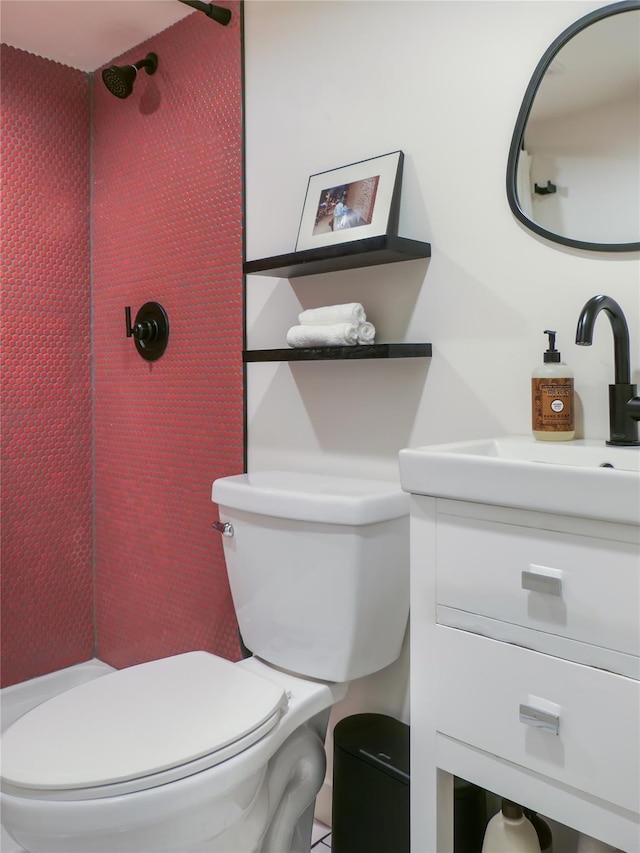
x: 216, y: 13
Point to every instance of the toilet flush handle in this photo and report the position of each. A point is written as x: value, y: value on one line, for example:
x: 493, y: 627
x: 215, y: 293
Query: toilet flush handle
x: 223, y: 527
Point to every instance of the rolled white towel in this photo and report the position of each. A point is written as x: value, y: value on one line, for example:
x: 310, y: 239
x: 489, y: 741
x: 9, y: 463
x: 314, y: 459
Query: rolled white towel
x: 366, y: 333
x: 350, y: 312
x: 335, y: 335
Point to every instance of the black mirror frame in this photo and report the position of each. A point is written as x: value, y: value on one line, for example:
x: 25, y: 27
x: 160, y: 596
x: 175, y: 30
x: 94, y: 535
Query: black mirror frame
x: 521, y: 123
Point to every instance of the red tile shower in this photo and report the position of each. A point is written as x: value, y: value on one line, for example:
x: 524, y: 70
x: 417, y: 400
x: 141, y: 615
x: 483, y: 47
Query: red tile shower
x: 109, y: 458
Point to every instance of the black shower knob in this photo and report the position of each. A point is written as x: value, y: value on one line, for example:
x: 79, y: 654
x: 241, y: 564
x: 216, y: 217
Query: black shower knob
x: 150, y: 330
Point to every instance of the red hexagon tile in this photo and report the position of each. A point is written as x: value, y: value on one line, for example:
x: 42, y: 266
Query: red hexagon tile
x: 167, y: 226
x: 47, y: 582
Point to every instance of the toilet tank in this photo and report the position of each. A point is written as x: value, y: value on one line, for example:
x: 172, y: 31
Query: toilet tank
x: 318, y: 568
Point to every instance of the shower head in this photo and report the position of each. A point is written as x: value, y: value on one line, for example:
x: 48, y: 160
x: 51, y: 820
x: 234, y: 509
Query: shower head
x: 119, y: 79
x: 217, y: 13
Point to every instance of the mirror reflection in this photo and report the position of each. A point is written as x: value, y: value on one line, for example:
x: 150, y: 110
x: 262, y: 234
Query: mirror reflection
x: 574, y: 164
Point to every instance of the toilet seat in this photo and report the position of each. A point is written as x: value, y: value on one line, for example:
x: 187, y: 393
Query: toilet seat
x: 138, y: 728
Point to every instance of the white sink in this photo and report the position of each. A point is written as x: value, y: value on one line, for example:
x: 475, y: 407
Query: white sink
x: 518, y: 471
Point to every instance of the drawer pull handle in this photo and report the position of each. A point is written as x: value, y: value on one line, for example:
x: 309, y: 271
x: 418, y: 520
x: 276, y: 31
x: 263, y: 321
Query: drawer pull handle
x: 537, y: 582
x: 539, y: 719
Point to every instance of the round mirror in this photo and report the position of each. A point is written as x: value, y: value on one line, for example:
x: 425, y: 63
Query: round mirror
x: 573, y: 174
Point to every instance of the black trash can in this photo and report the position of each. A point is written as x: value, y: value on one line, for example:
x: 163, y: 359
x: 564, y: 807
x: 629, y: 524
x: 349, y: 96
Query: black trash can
x: 370, y: 785
x: 371, y: 790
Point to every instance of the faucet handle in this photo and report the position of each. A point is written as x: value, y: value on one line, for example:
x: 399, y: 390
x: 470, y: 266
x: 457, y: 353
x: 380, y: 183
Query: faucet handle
x: 633, y: 407
x: 624, y: 414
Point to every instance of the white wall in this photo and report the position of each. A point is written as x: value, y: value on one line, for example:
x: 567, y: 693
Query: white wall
x: 592, y: 158
x: 329, y: 83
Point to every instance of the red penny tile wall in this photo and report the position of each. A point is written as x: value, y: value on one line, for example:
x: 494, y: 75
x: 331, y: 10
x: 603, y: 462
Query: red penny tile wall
x: 167, y: 227
x: 47, y: 620
x: 164, y: 168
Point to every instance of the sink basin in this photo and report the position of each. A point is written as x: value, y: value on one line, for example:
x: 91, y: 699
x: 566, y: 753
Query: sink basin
x: 582, y: 478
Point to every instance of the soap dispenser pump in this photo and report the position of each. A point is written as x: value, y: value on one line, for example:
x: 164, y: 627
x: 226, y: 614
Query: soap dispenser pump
x: 552, y: 397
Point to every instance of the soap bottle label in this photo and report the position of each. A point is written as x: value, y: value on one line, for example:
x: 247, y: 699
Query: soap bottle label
x: 552, y: 404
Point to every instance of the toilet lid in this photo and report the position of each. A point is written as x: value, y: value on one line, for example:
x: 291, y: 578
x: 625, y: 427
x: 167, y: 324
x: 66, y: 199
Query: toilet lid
x: 139, y: 721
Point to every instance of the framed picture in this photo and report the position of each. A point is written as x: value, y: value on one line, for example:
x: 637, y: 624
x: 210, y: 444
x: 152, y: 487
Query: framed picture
x: 352, y: 202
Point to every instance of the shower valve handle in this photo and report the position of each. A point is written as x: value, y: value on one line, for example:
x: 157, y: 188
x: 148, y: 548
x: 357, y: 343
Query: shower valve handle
x: 144, y: 331
x: 150, y: 330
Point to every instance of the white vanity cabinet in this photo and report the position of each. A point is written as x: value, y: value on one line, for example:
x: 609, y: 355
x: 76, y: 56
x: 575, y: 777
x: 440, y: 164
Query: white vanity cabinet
x: 525, y: 667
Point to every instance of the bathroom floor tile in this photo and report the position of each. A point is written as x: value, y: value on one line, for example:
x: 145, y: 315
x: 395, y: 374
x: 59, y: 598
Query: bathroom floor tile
x: 320, y: 837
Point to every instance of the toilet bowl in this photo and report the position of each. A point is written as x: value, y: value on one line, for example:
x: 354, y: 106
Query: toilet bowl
x: 193, y: 752
x: 184, y: 785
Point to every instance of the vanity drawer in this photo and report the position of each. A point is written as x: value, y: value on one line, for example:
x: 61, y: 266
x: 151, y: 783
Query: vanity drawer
x: 483, y: 688
x: 583, y: 588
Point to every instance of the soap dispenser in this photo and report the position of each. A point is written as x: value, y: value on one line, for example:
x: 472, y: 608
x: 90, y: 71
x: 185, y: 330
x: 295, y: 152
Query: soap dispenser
x: 509, y: 831
x: 543, y: 830
x: 552, y: 398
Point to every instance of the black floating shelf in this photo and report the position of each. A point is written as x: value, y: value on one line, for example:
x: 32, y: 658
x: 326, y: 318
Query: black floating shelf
x: 336, y: 353
x: 385, y: 249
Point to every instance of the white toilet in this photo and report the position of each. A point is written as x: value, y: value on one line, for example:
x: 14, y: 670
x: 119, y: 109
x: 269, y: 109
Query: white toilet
x: 193, y: 752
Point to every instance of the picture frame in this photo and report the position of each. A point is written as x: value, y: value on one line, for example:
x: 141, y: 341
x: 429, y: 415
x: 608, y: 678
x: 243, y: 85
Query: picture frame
x: 352, y: 202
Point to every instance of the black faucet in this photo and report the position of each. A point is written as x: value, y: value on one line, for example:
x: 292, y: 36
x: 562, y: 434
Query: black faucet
x: 624, y: 403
